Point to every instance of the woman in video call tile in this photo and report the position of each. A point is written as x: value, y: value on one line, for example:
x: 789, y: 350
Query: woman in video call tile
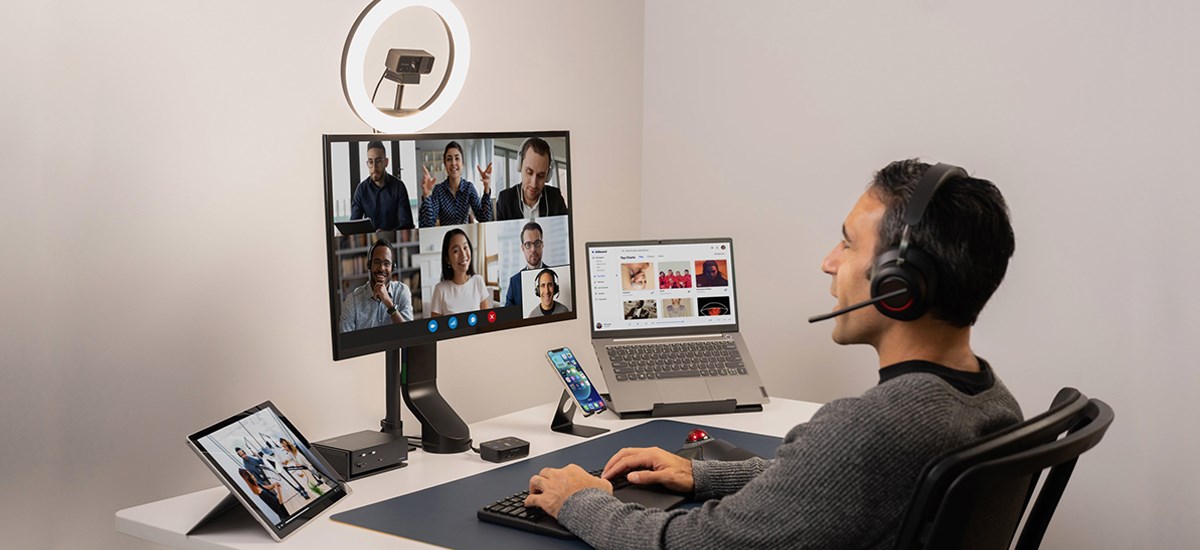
x: 452, y: 201
x: 460, y: 289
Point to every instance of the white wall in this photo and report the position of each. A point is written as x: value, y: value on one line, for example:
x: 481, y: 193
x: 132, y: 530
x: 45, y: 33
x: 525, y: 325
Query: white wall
x: 163, y: 249
x: 770, y: 117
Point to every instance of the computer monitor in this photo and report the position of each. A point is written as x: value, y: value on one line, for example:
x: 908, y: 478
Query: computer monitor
x: 414, y: 259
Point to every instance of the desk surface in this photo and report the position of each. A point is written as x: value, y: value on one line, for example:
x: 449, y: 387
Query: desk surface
x: 166, y: 521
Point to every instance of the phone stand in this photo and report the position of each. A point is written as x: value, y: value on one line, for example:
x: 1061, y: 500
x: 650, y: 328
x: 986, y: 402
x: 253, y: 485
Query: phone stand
x: 562, y: 422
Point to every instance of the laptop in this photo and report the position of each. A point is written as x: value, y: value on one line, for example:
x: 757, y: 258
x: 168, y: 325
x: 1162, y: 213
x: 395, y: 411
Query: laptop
x: 664, y: 326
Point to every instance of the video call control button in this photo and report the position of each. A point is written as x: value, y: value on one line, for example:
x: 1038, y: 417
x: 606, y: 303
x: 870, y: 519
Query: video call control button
x: 472, y: 319
x: 433, y: 325
x: 452, y: 323
x: 491, y: 316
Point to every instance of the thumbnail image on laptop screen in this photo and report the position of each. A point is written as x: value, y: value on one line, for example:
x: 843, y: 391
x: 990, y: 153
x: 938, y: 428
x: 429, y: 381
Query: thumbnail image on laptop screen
x: 661, y: 285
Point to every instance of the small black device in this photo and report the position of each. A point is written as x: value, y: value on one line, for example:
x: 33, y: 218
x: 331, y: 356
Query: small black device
x: 904, y: 278
x: 504, y: 449
x: 364, y: 453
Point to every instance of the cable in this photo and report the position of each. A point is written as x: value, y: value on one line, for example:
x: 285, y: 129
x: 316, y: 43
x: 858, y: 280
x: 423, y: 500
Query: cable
x: 377, y: 87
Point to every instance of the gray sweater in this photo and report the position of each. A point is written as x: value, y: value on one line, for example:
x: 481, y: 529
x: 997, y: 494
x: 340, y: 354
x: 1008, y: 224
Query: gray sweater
x: 842, y: 480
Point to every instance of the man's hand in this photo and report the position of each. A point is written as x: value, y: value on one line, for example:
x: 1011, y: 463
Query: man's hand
x: 645, y: 466
x: 427, y: 182
x: 551, y: 487
x: 485, y: 176
x: 381, y: 294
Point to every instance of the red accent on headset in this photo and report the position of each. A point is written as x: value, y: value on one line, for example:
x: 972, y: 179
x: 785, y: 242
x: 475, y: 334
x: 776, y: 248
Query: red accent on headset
x: 901, y: 308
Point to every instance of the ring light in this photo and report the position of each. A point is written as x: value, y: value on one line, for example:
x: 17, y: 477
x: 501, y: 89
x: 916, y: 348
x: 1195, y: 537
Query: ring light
x: 354, y: 57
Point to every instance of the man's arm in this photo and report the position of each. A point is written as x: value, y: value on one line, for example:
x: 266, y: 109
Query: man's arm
x: 512, y: 296
x: 356, y: 209
x: 348, y: 323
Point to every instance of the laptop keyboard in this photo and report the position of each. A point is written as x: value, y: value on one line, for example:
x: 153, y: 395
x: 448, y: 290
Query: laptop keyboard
x: 511, y: 511
x: 633, y: 362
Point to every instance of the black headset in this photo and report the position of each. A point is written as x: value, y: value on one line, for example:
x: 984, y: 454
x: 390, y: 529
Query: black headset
x: 907, y: 272
x: 537, y: 282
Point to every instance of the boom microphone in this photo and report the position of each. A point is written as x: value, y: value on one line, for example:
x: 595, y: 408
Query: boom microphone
x: 859, y: 305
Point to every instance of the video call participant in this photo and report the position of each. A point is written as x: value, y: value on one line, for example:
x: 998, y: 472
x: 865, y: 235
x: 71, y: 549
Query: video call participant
x: 452, y: 201
x: 382, y: 196
x: 547, y: 290
x: 269, y: 494
x: 460, y: 288
x: 532, y: 246
x: 532, y: 199
x: 711, y: 276
x: 380, y: 301
x: 843, y: 479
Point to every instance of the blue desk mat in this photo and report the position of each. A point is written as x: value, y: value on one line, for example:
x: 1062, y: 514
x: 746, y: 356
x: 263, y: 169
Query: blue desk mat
x: 445, y: 515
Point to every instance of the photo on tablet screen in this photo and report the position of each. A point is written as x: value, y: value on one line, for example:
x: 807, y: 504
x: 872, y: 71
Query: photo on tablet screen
x: 272, y: 467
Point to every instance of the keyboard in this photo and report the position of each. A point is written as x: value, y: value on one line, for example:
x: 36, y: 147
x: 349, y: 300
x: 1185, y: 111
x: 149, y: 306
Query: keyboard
x: 632, y: 362
x: 511, y: 512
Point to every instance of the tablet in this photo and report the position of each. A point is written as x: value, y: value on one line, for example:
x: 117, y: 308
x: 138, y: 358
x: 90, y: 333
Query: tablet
x: 270, y: 468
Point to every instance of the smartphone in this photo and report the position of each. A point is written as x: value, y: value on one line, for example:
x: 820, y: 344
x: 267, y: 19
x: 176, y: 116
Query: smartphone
x: 567, y: 366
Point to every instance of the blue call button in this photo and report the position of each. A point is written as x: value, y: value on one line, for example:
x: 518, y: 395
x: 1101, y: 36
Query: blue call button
x: 472, y: 319
x: 433, y: 326
x: 452, y: 323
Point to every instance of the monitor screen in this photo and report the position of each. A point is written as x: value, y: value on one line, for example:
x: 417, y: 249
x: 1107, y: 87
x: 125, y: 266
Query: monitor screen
x: 437, y: 236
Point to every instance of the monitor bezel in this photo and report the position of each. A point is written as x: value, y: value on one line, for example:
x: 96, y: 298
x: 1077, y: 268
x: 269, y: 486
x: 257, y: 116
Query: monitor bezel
x: 342, y: 350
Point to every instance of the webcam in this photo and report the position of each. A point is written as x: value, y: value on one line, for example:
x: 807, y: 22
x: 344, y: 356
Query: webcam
x: 406, y: 66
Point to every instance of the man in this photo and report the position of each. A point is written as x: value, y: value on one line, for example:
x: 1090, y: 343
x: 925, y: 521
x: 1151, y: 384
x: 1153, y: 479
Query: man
x: 380, y: 301
x: 454, y: 200
x: 547, y: 289
x: 711, y: 275
x: 532, y: 198
x: 254, y: 465
x: 382, y: 196
x: 844, y: 479
x: 531, y: 245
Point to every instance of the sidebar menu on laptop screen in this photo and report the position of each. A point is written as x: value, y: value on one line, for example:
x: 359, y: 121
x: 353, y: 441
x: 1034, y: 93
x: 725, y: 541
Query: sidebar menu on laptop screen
x: 661, y: 286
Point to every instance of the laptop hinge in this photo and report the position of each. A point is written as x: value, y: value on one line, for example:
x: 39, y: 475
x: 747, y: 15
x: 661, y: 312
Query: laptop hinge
x: 660, y: 338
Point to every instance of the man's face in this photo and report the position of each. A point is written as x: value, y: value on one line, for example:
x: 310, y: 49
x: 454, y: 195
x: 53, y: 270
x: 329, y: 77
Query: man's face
x: 849, y: 263
x: 242, y: 454
x: 531, y: 244
x: 453, y: 160
x: 535, y: 170
x: 377, y: 165
x: 545, y: 289
x: 381, y: 265
x: 711, y: 269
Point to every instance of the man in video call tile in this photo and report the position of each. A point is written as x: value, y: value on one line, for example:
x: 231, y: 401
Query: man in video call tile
x: 380, y: 301
x: 452, y: 201
x: 711, y: 275
x: 532, y: 198
x: 382, y: 196
x: 547, y: 290
x: 531, y: 245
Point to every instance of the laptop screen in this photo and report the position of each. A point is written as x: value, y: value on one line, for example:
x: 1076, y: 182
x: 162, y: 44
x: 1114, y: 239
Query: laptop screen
x: 653, y: 285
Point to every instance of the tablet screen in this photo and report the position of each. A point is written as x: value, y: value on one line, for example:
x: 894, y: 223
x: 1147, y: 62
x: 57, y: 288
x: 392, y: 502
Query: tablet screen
x: 271, y: 467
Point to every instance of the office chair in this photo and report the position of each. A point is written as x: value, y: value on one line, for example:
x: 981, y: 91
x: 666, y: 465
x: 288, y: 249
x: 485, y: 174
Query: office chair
x: 974, y: 497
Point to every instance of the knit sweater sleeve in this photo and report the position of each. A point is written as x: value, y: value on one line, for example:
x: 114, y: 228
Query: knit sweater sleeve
x: 842, y: 480
x: 716, y: 478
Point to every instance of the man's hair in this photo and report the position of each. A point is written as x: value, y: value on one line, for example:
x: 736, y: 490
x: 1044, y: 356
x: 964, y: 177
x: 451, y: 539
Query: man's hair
x: 531, y: 226
x: 538, y: 145
x: 378, y: 243
x: 710, y: 263
x: 447, y: 271
x: 452, y: 145
x: 377, y: 145
x: 965, y: 229
x: 238, y: 449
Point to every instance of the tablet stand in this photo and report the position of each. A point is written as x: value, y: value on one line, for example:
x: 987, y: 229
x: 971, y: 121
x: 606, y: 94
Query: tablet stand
x: 226, y: 504
x: 562, y: 422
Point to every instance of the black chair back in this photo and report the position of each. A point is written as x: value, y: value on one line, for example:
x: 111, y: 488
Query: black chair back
x: 975, y: 496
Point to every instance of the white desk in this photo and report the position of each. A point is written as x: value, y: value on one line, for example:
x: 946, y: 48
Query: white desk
x: 166, y: 521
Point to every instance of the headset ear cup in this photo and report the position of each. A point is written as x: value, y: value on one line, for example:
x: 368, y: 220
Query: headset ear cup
x: 916, y: 274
